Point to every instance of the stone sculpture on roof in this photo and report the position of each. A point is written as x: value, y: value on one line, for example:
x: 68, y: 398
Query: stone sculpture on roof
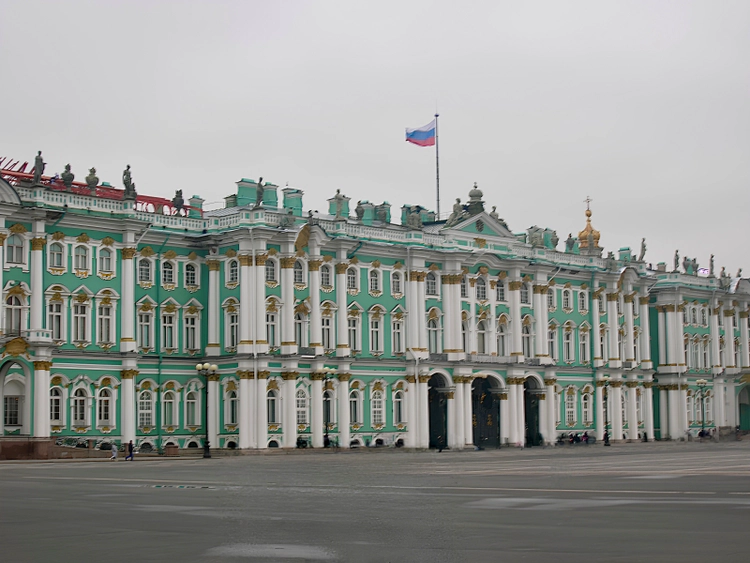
x: 67, y: 177
x: 127, y: 182
x: 38, y: 167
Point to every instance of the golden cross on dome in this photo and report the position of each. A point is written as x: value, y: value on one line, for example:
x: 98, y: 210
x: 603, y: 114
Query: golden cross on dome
x: 587, y: 201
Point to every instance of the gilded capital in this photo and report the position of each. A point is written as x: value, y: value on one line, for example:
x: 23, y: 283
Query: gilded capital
x: 261, y: 259
x: 549, y: 382
x: 631, y: 384
x: 341, y: 267
x: 245, y: 260
x: 630, y: 298
x: 616, y: 384
x: 344, y: 376
x: 129, y: 373
x: 317, y: 376
x: 613, y: 296
x: 127, y: 253
x: 42, y: 366
x: 643, y: 300
x: 410, y: 379
x: 213, y: 265
x: 515, y: 285
x: 287, y: 262
x: 263, y: 374
x: 38, y: 243
x: 424, y: 378
x: 289, y: 375
x: 314, y: 265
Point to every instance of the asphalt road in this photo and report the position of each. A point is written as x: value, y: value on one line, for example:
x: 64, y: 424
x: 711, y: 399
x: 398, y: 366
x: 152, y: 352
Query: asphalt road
x: 637, y: 502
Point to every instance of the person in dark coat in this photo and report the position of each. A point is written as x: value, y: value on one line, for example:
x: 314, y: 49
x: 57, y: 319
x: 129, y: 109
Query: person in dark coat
x: 130, y: 451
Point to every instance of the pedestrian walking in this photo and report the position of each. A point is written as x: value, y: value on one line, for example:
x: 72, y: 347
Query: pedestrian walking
x: 130, y: 451
x: 114, y: 452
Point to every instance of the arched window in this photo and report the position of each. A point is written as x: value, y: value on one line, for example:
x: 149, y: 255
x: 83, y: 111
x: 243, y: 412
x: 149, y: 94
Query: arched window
x: 526, y: 341
x: 570, y: 407
x: 55, y: 405
x: 56, y: 255
x: 272, y: 404
x: 355, y: 412
x: 167, y: 273
x: 270, y: 270
x: 145, y: 413
x: 234, y: 271
x: 299, y: 273
x: 233, y: 411
x: 329, y: 413
x: 191, y: 409
x: 190, y: 275
x: 502, y: 339
x: 81, y: 258
x: 566, y: 297
x: 398, y: 408
x: 376, y: 404
x: 500, y: 290
x: 167, y: 416
x: 481, y: 287
x: 433, y: 336
x: 374, y: 280
x: 582, y: 301
x: 104, y: 408
x: 694, y: 315
x: 14, y: 250
x: 482, y: 338
x: 105, y: 260
x: 525, y: 294
x: 550, y: 298
x: 431, y: 284
x: 13, y: 315
x: 396, y: 283
x: 301, y: 399
x: 144, y: 270
x: 325, y: 276
x: 299, y: 330
x: 586, y: 409
x: 704, y: 317
x: 351, y: 278
x: 79, y: 407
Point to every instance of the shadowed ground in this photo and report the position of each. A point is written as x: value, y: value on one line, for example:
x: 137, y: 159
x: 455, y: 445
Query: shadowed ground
x: 665, y: 502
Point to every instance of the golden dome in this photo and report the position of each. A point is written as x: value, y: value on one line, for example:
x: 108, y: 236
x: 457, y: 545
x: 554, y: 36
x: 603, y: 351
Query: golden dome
x: 583, y: 236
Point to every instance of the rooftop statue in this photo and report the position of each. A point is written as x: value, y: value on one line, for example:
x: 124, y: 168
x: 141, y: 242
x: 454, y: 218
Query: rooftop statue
x: 359, y: 210
x: 67, y: 177
x: 127, y: 182
x: 455, y: 216
x: 642, y: 255
x: 494, y: 214
x: 739, y: 273
x: 177, y: 201
x: 414, y: 221
x: 259, y: 193
x: 711, y: 266
x: 339, y: 203
x: 38, y: 167
x: 92, y: 180
x: 676, y: 260
x: 570, y: 243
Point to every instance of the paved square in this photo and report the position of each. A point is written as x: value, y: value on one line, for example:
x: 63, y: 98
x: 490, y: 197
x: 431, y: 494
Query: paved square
x: 640, y: 502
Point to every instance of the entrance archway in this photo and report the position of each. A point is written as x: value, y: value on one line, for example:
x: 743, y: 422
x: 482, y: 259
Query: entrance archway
x: 531, y: 392
x: 485, y: 405
x: 744, y: 403
x: 438, y: 400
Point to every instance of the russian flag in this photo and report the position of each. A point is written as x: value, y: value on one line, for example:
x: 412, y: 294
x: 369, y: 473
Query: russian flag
x: 422, y: 136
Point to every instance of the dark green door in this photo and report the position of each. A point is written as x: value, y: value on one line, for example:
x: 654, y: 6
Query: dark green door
x: 485, y: 414
x: 531, y: 404
x: 438, y: 418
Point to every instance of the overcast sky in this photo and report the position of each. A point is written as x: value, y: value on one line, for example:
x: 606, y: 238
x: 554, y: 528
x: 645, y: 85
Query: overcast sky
x: 641, y: 105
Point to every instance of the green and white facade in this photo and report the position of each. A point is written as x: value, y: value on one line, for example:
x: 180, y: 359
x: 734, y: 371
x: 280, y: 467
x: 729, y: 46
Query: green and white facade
x: 374, y: 332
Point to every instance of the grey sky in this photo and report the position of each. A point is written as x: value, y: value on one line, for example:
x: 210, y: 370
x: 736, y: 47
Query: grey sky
x: 641, y: 105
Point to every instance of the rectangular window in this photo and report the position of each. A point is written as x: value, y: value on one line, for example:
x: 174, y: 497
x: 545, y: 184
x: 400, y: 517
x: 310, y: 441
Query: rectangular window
x: 326, y: 334
x: 353, y: 334
x: 397, y: 342
x: 167, y: 332
x: 270, y: 329
x: 55, y: 321
x: 12, y: 411
x: 105, y: 324
x: 375, y: 344
x: 191, y: 333
x: 80, y: 314
x: 144, y: 330
x: 570, y: 409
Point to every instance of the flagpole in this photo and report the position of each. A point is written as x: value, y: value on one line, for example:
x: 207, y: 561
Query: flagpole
x: 437, y: 167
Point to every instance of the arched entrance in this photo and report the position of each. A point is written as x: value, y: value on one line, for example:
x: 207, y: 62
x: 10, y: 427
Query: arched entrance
x: 15, y: 399
x: 531, y: 393
x: 437, y: 396
x: 744, y: 402
x: 485, y: 404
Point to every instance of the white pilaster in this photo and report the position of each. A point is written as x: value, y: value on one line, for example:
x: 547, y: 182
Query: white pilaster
x: 37, y: 277
x: 246, y: 306
x: 551, y: 397
x: 720, y: 418
x: 41, y: 399
x: 261, y: 342
x: 715, y: 311
x: 342, y: 335
x: 213, y: 348
x: 514, y: 299
x: 424, y: 411
x: 412, y: 435
x: 615, y: 416
x: 632, y: 414
x: 261, y: 408
x: 614, y: 361
x: 600, y: 418
x: 645, y: 339
x: 316, y: 330
x: 213, y: 410
x: 127, y: 409
x: 288, y: 343
x: 744, y: 341
x: 457, y: 434
x: 512, y: 410
x: 343, y: 419
x: 453, y: 438
x: 127, y: 301
x: 289, y: 409
x: 664, y: 413
x: 468, y: 414
x: 246, y: 426
x: 422, y: 313
x: 316, y: 419
x: 629, y: 336
x: 648, y: 409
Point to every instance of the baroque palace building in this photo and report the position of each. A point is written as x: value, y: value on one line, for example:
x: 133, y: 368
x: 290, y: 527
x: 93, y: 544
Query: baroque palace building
x: 346, y: 325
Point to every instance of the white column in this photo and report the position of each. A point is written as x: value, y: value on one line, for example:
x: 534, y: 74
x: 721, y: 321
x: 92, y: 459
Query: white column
x: 261, y: 408
x: 37, y: 287
x: 316, y: 419
x: 343, y: 420
x: 458, y: 417
x: 614, y: 360
x: 246, y: 430
x: 648, y: 409
x: 521, y: 413
x: 213, y: 410
x: 412, y: 435
x: 288, y: 344
x: 549, y: 388
x: 729, y: 355
x: 544, y: 419
x: 514, y: 298
x: 633, y: 410
x: 41, y: 399
x: 471, y: 324
x: 744, y: 341
x: 720, y: 418
x: 675, y: 432
x: 596, y: 336
x: 342, y: 335
x: 600, y: 419
x: 246, y: 308
x: 452, y: 441
x: 629, y: 338
x: 715, y: 311
x: 731, y: 408
x: 413, y: 312
x: 615, y: 416
x: 645, y: 336
x: 684, y: 423
x: 289, y: 409
x: 680, y: 344
x: 468, y: 425
x: 422, y: 312
x: 492, y: 317
x: 127, y: 408
x: 541, y: 346
x: 316, y: 330
x: 424, y: 411
x: 127, y: 301
x: 512, y: 410
x: 504, y: 417
x: 664, y: 412
x: 213, y: 348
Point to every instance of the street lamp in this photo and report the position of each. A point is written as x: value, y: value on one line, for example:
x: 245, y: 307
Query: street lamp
x: 702, y: 383
x: 606, y: 410
x: 327, y: 372
x: 206, y: 370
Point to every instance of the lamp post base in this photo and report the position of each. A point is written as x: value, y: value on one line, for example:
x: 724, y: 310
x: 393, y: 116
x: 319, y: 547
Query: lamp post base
x: 206, y: 452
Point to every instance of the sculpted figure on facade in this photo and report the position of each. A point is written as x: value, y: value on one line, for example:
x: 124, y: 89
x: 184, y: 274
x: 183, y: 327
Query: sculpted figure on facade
x: 127, y: 182
x: 711, y: 266
x: 494, y: 214
x: 739, y: 273
x: 455, y: 216
x: 642, y: 255
x: 39, y: 165
x: 339, y: 204
x: 570, y: 243
x: 92, y: 180
x: 67, y: 177
x: 359, y: 210
x: 676, y: 260
x: 414, y: 221
x: 259, y: 193
x: 177, y: 201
